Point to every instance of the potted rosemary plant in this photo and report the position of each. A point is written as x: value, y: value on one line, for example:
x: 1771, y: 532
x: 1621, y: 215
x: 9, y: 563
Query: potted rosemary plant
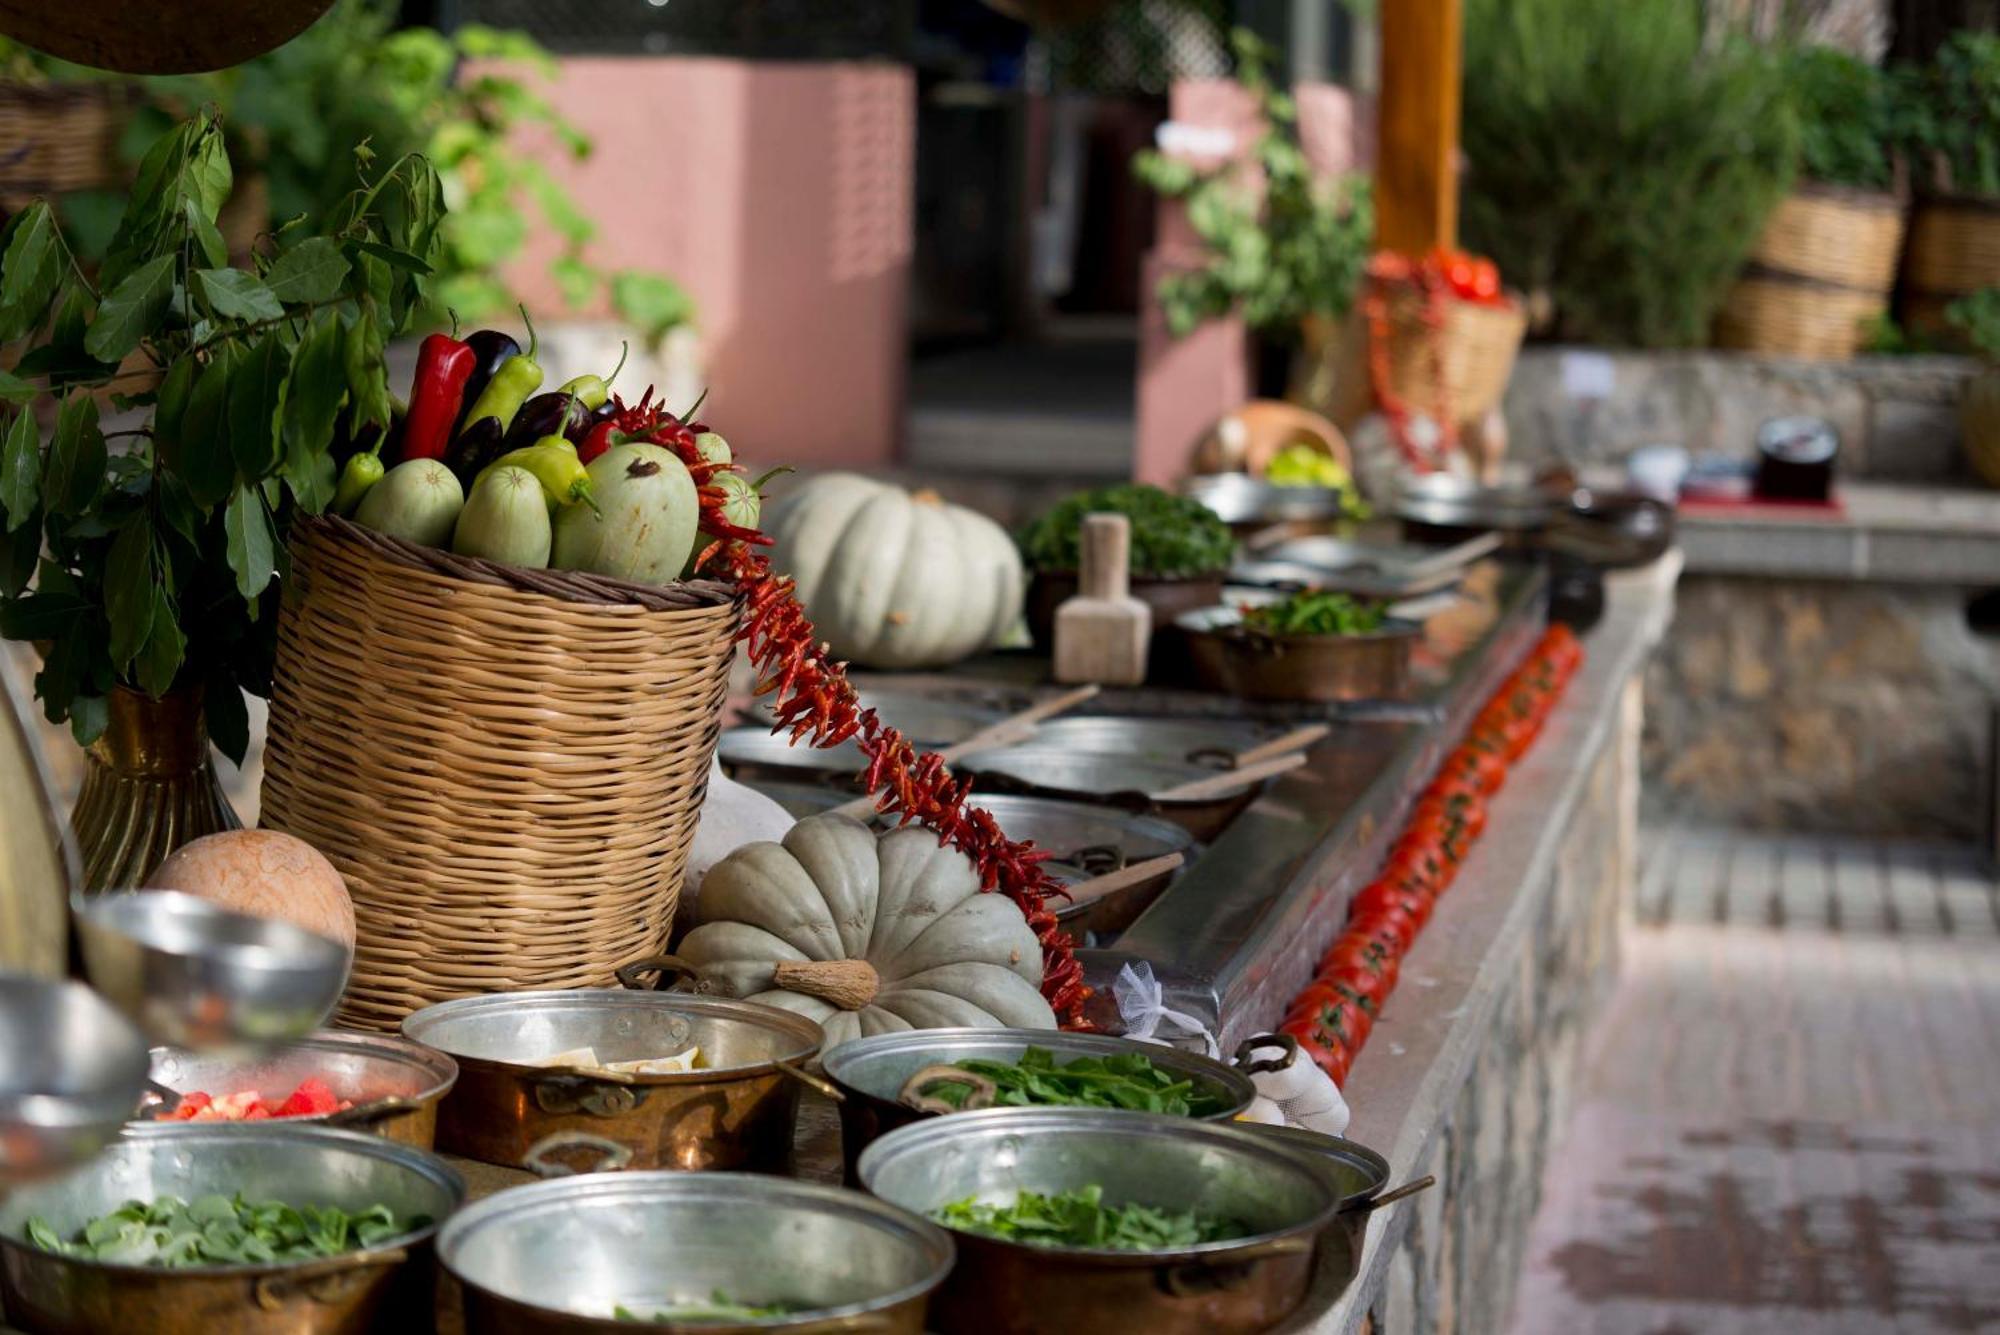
x: 165, y: 418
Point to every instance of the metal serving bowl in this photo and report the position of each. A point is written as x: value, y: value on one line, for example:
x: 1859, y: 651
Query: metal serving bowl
x: 360, y: 1290
x: 1208, y: 742
x: 71, y: 1070
x: 1445, y: 501
x: 1256, y: 665
x: 561, y: 1257
x: 1131, y: 782
x: 1216, y: 1288
x: 395, y: 1085
x: 198, y: 976
x: 737, y: 1110
x: 1245, y: 502
x: 875, y: 1074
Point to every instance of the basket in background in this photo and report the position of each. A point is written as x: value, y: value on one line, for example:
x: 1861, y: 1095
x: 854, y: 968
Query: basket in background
x: 1954, y: 251
x: 506, y: 765
x: 57, y: 138
x: 1475, y: 350
x: 1822, y: 272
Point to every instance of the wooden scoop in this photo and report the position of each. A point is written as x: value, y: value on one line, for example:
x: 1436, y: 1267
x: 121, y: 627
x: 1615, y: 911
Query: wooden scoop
x: 1221, y: 785
x: 1097, y: 887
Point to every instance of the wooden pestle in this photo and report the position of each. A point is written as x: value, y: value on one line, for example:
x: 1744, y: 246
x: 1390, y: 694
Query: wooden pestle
x: 1103, y: 632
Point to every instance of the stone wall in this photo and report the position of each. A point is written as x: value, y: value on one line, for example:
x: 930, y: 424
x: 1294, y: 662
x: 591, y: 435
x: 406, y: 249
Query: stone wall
x: 1823, y: 705
x: 1897, y: 416
x: 1456, y: 1269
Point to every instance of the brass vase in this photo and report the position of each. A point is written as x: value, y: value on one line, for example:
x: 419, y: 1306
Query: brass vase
x: 149, y: 786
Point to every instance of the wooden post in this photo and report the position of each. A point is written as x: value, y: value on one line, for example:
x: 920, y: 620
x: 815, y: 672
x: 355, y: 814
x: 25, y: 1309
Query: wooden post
x: 1416, y: 159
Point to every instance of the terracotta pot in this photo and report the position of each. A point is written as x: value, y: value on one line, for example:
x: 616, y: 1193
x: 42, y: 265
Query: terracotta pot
x: 149, y: 787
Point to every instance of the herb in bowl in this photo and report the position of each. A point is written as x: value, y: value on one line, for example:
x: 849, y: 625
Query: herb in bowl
x: 1316, y: 612
x: 1172, y: 537
x: 719, y: 1308
x: 1080, y: 1218
x: 1123, y: 1080
x: 222, y: 1230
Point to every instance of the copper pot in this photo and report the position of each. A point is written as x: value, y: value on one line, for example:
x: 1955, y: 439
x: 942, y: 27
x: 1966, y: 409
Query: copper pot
x: 387, y: 1286
x: 737, y: 1112
x: 395, y: 1085
x: 1258, y: 666
x: 1244, y: 1284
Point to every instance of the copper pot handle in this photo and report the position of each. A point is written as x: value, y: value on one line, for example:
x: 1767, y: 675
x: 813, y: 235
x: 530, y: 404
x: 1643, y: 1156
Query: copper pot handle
x: 537, y: 1160
x: 323, y: 1281
x: 1193, y: 1279
x: 660, y: 966
x: 912, y: 1095
x: 819, y: 1084
x: 1251, y: 1065
x: 1390, y: 1197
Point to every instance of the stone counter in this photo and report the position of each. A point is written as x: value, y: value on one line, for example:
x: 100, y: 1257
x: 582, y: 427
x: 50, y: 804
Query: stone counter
x: 1468, y: 1073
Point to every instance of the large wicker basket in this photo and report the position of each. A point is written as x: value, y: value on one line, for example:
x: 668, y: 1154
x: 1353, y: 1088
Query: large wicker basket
x: 1954, y: 251
x: 1474, y: 349
x: 1822, y: 270
x: 59, y: 138
x: 506, y: 765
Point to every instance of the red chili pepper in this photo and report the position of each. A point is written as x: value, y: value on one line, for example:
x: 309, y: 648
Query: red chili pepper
x: 597, y: 440
x: 443, y: 366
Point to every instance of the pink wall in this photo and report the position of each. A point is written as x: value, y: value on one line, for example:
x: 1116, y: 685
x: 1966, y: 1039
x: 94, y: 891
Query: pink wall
x: 1186, y: 384
x: 780, y: 196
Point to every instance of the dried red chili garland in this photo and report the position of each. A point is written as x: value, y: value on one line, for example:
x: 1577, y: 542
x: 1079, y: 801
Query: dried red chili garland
x: 812, y: 699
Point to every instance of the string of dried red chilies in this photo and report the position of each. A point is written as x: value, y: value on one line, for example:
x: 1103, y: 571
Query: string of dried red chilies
x: 812, y: 700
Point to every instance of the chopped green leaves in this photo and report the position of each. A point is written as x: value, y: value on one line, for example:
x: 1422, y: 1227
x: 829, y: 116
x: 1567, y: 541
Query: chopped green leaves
x: 1080, y: 1218
x: 1317, y: 612
x: 169, y: 1233
x: 1172, y: 536
x: 1124, y: 1080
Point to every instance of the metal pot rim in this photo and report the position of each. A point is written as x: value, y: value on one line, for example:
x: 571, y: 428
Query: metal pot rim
x: 1237, y: 634
x: 419, y: 1162
x: 982, y: 762
x: 1317, y: 1145
x: 1029, y: 1121
x: 393, y: 1048
x: 942, y: 1041
x: 563, y: 1192
x: 807, y: 1033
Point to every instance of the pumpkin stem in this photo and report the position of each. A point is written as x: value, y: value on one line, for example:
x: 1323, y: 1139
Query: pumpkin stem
x: 848, y: 984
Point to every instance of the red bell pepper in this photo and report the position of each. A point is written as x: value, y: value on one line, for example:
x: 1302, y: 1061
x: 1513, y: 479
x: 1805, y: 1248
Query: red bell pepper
x: 444, y: 365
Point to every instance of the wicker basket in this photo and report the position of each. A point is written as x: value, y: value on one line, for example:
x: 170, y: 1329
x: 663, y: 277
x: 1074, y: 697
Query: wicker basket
x: 505, y: 764
x: 1478, y: 346
x: 1822, y: 270
x: 1979, y: 420
x: 60, y: 138
x: 1954, y: 250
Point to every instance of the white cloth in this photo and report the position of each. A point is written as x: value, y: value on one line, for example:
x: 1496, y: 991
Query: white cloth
x: 1301, y: 1095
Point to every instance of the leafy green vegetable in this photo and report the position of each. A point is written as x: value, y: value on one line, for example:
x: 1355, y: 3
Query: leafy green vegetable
x: 1316, y: 612
x: 1950, y: 111
x: 1847, y: 118
x: 1124, y: 1080
x: 155, y: 552
x: 1080, y: 1218
x: 1172, y: 536
x: 1977, y: 316
x: 719, y: 1307
x: 221, y: 1230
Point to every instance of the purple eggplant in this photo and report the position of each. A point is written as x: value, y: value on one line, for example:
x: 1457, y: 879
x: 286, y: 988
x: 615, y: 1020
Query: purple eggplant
x: 490, y: 348
x: 552, y: 414
x: 474, y: 448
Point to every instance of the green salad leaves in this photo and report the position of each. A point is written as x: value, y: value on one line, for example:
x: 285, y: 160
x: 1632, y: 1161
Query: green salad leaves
x: 1124, y: 1080
x: 1172, y: 536
x: 221, y: 1230
x: 1080, y: 1218
x: 1316, y: 612
x: 719, y: 1307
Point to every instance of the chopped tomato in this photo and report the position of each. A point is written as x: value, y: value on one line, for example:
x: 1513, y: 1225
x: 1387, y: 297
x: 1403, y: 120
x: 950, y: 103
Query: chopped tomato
x: 311, y: 1099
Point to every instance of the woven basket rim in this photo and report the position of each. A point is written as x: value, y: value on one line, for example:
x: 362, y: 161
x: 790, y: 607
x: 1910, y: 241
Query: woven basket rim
x: 1759, y: 272
x: 562, y: 585
x: 1946, y: 199
x: 1853, y: 196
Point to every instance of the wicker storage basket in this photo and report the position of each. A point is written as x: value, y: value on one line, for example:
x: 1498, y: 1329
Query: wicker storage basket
x: 1979, y: 419
x: 1477, y: 346
x: 1823, y: 268
x: 506, y: 765
x: 59, y: 138
x: 1954, y: 250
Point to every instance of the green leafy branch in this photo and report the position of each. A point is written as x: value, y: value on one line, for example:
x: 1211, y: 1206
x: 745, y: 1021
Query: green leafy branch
x: 154, y: 565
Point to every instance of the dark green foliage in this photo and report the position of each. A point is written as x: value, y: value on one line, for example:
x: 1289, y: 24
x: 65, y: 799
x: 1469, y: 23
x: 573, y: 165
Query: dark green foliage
x: 1951, y: 116
x: 1172, y: 536
x: 1847, y: 118
x: 1619, y: 166
x: 155, y: 556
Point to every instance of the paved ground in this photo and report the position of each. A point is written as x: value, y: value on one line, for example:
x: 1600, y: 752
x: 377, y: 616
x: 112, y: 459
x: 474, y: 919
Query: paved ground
x: 1792, y: 1121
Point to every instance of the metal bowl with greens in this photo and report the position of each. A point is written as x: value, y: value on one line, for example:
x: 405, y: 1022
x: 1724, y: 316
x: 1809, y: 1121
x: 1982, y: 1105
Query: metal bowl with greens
x: 1173, y: 537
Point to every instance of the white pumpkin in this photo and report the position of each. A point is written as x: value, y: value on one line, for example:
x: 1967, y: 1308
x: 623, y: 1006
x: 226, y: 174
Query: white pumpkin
x: 893, y: 579
x: 866, y: 934
x: 732, y: 815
